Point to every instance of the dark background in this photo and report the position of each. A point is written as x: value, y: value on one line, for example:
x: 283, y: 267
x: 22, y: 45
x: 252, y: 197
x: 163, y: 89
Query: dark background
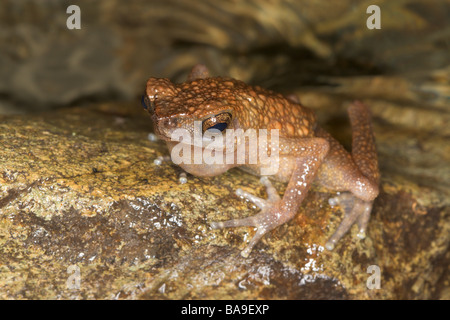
x: 280, y: 44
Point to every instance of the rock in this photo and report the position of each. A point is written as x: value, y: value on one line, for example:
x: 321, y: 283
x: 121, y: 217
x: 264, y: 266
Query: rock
x: 82, y: 199
x: 79, y: 188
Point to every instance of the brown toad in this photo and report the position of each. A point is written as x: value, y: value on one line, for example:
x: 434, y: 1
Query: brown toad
x: 304, y: 152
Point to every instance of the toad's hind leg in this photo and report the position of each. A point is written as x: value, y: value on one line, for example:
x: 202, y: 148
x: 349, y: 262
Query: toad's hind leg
x: 364, y: 186
x: 364, y: 152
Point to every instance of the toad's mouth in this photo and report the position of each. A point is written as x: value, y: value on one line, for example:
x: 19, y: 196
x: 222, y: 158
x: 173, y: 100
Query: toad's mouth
x: 201, y: 142
x: 194, y: 135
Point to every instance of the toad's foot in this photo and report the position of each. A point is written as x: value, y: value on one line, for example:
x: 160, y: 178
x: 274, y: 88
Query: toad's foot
x: 355, y: 210
x: 269, y: 218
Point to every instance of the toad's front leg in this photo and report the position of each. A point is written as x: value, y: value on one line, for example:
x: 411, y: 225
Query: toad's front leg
x: 307, y: 155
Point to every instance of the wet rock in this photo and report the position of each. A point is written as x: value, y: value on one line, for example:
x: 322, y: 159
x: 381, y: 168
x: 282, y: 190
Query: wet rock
x: 79, y: 189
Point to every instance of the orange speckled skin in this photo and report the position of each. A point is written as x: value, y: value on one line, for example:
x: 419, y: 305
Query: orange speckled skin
x: 255, y: 107
x: 307, y: 153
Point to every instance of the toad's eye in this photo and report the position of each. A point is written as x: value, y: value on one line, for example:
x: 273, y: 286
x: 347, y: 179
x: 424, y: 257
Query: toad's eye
x: 219, y: 122
x: 147, y: 104
x: 144, y: 101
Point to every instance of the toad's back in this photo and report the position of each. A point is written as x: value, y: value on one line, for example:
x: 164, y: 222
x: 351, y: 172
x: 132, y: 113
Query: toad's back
x: 253, y: 106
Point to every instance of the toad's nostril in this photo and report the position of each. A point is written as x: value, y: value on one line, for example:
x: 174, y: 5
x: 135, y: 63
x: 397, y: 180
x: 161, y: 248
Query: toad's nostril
x: 169, y: 123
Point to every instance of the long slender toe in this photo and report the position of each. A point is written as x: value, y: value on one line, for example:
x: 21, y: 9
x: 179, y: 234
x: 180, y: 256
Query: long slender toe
x: 258, y: 235
x: 259, y: 202
x: 272, y: 193
x: 244, y: 222
x: 363, y: 219
x: 359, y: 213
